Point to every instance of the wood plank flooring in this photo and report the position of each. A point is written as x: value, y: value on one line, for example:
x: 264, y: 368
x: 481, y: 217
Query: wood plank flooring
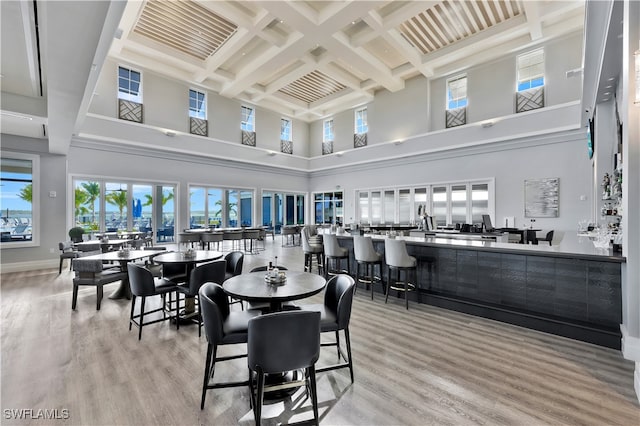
x: 422, y: 366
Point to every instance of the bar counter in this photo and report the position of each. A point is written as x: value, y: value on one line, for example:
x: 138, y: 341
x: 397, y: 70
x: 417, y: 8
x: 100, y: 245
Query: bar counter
x: 571, y: 289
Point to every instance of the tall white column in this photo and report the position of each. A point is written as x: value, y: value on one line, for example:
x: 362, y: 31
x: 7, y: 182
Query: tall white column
x: 630, y: 115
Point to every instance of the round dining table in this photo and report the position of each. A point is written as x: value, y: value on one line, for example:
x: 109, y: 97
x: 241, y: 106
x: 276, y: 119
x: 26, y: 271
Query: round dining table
x: 253, y: 287
x: 189, y: 260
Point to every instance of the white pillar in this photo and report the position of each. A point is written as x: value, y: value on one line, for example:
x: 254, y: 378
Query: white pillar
x: 630, y: 115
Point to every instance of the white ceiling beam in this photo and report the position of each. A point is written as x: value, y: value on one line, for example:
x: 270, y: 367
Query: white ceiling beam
x: 229, y: 49
x: 532, y: 13
x: 132, y: 11
x: 28, y: 27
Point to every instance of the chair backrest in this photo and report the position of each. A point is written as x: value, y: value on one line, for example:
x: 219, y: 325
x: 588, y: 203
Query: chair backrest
x: 87, y: 265
x: 283, y: 341
x: 305, y: 239
x: 75, y: 234
x: 331, y: 245
x: 141, y: 280
x: 251, y: 234
x: 208, y: 272
x: 90, y: 247
x: 214, y: 305
x: 265, y: 267
x: 235, y: 260
x: 549, y: 237
x: 395, y: 253
x: 338, y: 298
x: 363, y: 249
x: 211, y: 237
x: 232, y: 235
x: 65, y: 246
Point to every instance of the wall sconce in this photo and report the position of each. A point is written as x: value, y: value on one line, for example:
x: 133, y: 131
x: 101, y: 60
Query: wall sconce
x: 487, y: 124
x: 271, y: 153
x: 636, y: 54
x: 340, y: 153
x: 170, y: 133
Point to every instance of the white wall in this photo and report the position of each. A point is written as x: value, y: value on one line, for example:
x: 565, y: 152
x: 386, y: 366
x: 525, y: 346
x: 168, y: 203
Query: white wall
x: 537, y: 158
x: 166, y: 104
x: 491, y: 86
x: 52, y: 210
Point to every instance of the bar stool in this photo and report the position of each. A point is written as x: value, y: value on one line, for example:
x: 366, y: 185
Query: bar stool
x: 333, y: 252
x: 234, y: 236
x: 397, y: 258
x: 211, y: 237
x: 365, y: 255
x: 251, y: 235
x: 310, y: 250
x: 188, y: 238
x: 286, y: 232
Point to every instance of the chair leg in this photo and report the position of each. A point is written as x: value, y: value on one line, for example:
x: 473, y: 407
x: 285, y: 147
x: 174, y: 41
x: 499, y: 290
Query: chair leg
x: 386, y: 297
x: 257, y: 406
x: 142, y: 300
x: 200, y: 319
x: 99, y: 297
x: 348, y: 339
x: 314, y: 393
x: 406, y: 288
x: 133, y: 305
x: 177, y: 309
x: 207, y: 368
x: 74, y: 299
x: 60, y: 270
x: 338, y: 344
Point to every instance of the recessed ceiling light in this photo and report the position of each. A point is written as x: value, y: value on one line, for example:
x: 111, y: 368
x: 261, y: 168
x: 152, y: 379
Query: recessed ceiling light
x: 282, y: 21
x: 605, y: 99
x: 607, y: 93
x: 353, y: 22
x: 611, y: 78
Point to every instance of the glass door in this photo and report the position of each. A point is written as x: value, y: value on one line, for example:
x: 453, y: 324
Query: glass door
x: 142, y: 207
x: 165, y: 213
x: 116, y: 207
x: 300, y: 209
x: 214, y: 203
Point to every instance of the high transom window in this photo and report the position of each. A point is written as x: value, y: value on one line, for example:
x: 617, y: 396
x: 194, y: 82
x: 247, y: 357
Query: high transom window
x: 457, y: 92
x: 248, y: 120
x: 530, y: 70
x: 361, y: 124
x: 197, y: 104
x: 285, y: 130
x: 129, y: 85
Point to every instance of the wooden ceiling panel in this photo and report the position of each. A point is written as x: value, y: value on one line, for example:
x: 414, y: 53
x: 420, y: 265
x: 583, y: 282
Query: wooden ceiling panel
x: 312, y: 87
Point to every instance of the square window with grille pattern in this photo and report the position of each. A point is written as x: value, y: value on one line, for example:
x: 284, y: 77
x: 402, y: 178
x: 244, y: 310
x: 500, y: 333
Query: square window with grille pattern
x: 361, y: 123
x: 130, y: 111
x: 327, y: 147
x: 285, y: 130
x: 457, y: 92
x: 456, y: 117
x: 198, y: 126
x: 530, y: 99
x: 286, y: 146
x: 327, y: 131
x: 248, y: 138
x: 359, y: 140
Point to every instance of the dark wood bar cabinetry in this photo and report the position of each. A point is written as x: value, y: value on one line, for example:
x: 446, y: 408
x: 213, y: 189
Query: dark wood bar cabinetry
x: 572, y: 294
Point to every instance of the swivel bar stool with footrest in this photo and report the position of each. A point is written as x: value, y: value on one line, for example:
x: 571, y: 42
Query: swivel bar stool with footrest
x: 397, y: 259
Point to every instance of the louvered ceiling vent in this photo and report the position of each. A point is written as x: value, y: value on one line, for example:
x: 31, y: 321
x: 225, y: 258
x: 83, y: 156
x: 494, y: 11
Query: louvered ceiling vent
x: 185, y: 26
x: 312, y: 87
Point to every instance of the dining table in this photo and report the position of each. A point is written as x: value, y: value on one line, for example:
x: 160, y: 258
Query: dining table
x: 253, y: 287
x: 105, y: 245
x: 190, y: 259
x: 122, y: 257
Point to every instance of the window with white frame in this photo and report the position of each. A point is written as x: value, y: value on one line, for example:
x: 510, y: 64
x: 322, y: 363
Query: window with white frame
x: 129, y: 85
x: 327, y: 131
x: 19, y: 199
x: 248, y: 119
x: 530, y: 70
x: 197, y: 104
x: 361, y: 124
x: 457, y: 92
x: 285, y: 130
x: 449, y: 203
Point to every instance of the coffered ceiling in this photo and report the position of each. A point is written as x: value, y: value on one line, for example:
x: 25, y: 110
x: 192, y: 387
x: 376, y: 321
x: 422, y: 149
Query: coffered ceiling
x: 310, y: 59
x: 303, y: 59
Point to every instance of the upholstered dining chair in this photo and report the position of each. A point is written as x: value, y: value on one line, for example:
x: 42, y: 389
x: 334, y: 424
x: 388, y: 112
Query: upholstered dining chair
x: 221, y: 327
x: 235, y: 261
x: 67, y: 252
x: 335, y: 315
x: 398, y: 259
x: 281, y: 342
x: 207, y: 272
x: 144, y: 285
x: 365, y: 255
x: 91, y: 272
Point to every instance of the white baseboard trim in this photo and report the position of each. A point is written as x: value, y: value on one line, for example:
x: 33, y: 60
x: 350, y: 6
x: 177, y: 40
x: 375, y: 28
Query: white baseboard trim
x: 30, y: 265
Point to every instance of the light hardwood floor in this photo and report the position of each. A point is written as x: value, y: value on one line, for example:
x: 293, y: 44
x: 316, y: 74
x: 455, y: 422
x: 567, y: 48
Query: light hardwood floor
x: 422, y: 366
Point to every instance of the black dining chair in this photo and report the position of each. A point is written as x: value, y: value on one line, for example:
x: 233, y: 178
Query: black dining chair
x: 281, y: 342
x: 221, y: 327
x: 235, y: 261
x: 208, y: 272
x: 144, y: 285
x: 335, y: 314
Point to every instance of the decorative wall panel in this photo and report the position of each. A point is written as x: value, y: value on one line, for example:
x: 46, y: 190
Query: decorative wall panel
x: 359, y: 140
x: 456, y: 117
x: 327, y: 148
x: 198, y: 126
x: 530, y: 99
x: 130, y: 111
x: 286, y: 146
x: 248, y: 138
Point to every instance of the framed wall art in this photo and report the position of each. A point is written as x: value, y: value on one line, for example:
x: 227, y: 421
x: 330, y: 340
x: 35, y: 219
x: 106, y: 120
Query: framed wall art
x: 541, y: 197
